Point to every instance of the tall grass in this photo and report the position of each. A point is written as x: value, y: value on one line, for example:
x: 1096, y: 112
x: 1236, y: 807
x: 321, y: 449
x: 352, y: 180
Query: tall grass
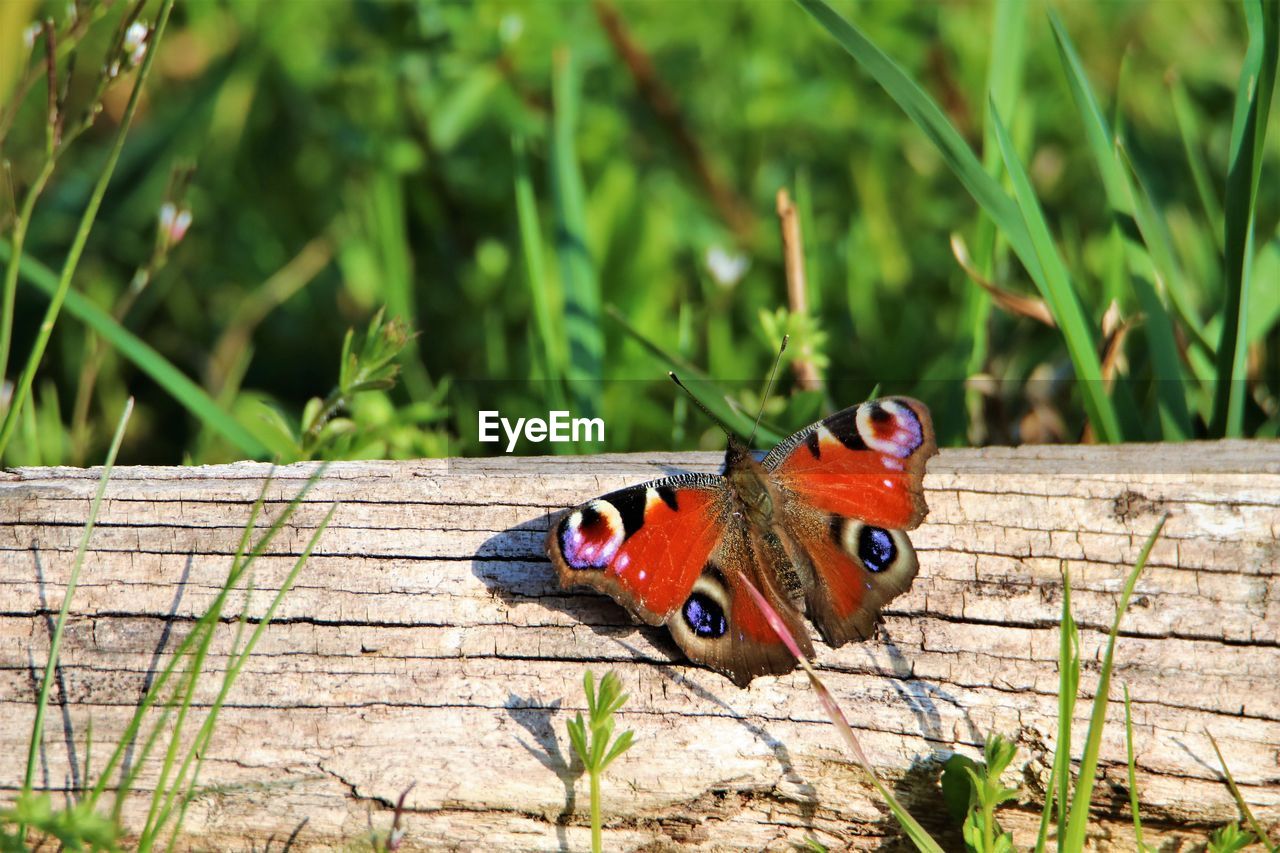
x: 645, y: 147
x: 1157, y: 287
x: 166, y: 713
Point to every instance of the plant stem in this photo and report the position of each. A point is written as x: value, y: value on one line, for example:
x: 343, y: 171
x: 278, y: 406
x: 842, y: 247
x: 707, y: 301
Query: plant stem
x: 23, y: 387
x: 11, y: 270
x: 55, y: 644
x: 988, y: 830
x: 596, y: 840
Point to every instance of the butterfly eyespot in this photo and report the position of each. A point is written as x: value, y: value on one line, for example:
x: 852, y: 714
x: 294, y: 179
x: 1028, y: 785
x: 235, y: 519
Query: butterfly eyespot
x: 592, y: 535
x: 889, y: 427
x: 704, y: 616
x: 876, y: 548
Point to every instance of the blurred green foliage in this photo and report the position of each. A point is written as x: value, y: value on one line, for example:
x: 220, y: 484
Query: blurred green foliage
x: 339, y: 157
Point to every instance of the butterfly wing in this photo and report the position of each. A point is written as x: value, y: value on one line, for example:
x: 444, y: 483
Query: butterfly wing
x: 721, y: 626
x: 852, y: 486
x: 644, y: 545
x: 673, y: 551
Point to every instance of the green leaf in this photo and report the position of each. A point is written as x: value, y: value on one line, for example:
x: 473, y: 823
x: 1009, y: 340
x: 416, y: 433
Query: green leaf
x: 1248, y: 141
x: 277, y: 433
x: 999, y: 753
x: 958, y: 791
x: 621, y: 745
x: 1229, y: 839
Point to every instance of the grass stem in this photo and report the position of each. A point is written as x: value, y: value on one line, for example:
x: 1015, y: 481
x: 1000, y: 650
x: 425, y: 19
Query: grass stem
x: 23, y: 387
x: 55, y: 643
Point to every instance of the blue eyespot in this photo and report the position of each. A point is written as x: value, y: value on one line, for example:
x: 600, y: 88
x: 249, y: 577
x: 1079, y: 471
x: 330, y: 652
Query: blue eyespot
x: 705, y: 616
x: 876, y: 548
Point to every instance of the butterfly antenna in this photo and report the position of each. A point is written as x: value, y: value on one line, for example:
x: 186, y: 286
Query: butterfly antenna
x: 699, y: 403
x: 769, y: 387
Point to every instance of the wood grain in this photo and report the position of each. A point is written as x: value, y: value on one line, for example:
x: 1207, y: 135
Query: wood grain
x: 426, y: 642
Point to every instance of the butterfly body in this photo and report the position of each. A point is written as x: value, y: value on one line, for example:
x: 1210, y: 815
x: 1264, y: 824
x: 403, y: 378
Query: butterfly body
x: 817, y: 526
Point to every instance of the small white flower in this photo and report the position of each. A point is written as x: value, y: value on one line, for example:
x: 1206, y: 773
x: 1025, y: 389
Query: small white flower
x: 510, y: 28
x: 30, y: 34
x: 173, y: 223
x: 726, y: 267
x: 135, y: 42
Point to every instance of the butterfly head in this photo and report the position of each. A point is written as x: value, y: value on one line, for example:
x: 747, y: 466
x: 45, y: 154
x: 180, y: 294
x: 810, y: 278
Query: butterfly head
x: 749, y: 481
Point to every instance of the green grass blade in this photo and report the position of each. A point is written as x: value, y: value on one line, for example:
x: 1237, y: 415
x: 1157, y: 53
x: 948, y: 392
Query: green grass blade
x: 186, y: 690
x: 205, y: 622
x: 189, y: 792
x: 1248, y: 138
x: 19, y: 238
x: 577, y: 271
x: 1155, y: 257
x: 546, y: 301
x: 917, y: 833
x: 1133, y: 774
x: 192, y: 397
x: 198, y: 638
x: 1004, y: 85
x: 1077, y: 820
x: 1068, y: 684
x: 1059, y: 293
x: 1015, y: 220
x: 1193, y: 136
x: 196, y: 752
x: 928, y: 116
x: 55, y: 643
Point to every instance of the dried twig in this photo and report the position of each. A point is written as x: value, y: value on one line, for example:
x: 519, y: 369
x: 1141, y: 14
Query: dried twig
x: 802, y: 365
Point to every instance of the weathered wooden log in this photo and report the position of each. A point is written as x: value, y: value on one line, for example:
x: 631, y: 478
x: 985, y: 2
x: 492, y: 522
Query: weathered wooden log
x: 427, y: 643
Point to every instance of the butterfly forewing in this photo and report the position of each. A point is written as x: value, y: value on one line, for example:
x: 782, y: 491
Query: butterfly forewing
x: 864, y: 462
x: 644, y: 545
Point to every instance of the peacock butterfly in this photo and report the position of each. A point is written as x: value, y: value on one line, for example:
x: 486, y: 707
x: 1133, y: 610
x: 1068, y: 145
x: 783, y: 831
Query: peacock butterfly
x: 817, y: 525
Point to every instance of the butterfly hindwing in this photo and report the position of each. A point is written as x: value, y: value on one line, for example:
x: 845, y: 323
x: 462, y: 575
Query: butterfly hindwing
x: 721, y: 626
x: 852, y: 486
